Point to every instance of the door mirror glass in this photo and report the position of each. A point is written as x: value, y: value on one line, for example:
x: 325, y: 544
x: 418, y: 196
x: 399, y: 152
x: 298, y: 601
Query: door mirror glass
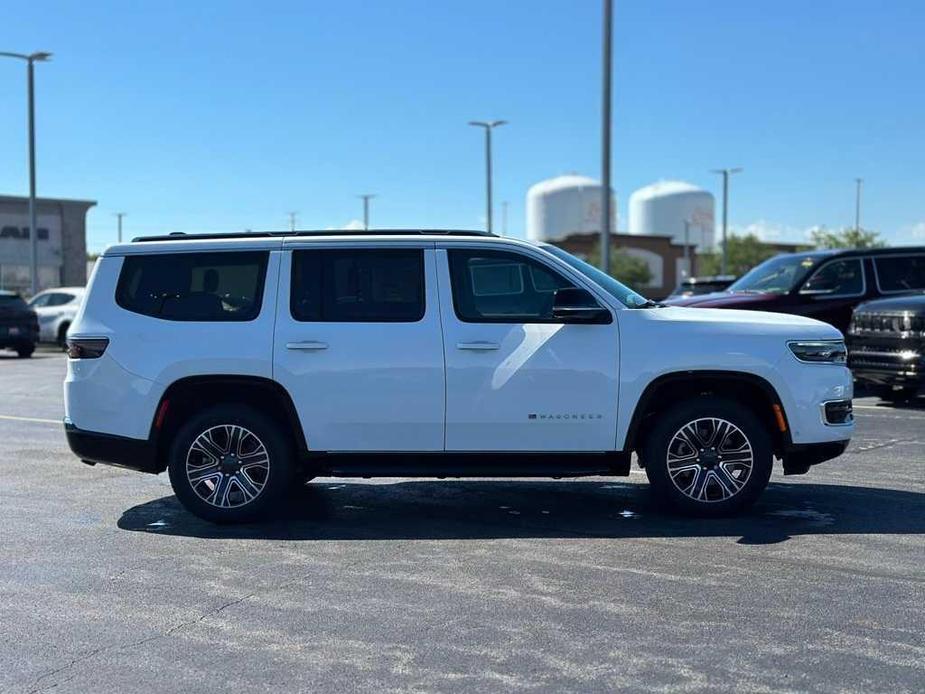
x: 576, y: 305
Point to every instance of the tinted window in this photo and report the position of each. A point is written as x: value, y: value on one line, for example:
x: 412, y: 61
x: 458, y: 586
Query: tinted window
x: 499, y: 287
x: 58, y: 299
x: 839, y: 277
x: 900, y: 274
x: 194, y: 286
x: 40, y: 300
x: 358, y: 285
x: 12, y: 302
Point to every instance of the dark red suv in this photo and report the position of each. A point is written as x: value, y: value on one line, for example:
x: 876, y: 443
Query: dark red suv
x: 826, y: 285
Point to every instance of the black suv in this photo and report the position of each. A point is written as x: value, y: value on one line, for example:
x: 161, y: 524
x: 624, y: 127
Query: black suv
x: 19, y: 325
x: 886, y: 345
x: 825, y: 285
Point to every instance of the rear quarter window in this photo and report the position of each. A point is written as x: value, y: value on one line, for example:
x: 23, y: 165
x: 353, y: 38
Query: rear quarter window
x: 900, y: 273
x: 225, y: 286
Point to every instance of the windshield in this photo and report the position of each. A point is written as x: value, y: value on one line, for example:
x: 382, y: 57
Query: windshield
x: 776, y: 275
x: 620, y: 292
x: 11, y: 302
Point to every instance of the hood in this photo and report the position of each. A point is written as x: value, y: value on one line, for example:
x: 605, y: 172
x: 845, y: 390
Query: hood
x: 914, y: 303
x: 724, y: 299
x: 730, y: 321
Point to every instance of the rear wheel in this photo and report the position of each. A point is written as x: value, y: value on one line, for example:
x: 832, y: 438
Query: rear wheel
x: 231, y: 464
x: 25, y: 351
x: 62, y: 335
x: 898, y: 394
x: 708, y: 456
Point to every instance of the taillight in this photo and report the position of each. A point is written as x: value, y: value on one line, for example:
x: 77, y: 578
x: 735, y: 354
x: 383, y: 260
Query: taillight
x: 86, y: 347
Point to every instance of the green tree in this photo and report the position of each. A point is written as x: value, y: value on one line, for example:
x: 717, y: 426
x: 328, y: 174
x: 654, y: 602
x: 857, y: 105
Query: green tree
x: 745, y: 252
x: 631, y: 271
x: 846, y: 238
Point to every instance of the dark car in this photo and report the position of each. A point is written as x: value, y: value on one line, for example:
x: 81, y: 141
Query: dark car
x: 19, y: 325
x: 826, y: 285
x: 695, y: 286
x: 886, y: 346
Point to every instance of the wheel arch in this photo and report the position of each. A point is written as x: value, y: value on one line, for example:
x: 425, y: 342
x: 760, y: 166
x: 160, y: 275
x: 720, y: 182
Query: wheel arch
x: 193, y: 393
x: 750, y: 389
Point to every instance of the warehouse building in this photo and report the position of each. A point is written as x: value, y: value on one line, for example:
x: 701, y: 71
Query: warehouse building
x: 61, y: 242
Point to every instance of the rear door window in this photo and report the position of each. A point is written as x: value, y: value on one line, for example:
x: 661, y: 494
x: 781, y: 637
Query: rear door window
x: 225, y: 286
x: 900, y: 273
x: 361, y: 285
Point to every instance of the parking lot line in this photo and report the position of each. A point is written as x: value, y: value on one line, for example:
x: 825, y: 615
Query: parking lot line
x: 29, y: 419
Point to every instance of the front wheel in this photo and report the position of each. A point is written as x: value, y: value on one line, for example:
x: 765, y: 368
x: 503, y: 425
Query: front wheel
x: 25, y: 351
x: 708, y: 456
x: 231, y: 464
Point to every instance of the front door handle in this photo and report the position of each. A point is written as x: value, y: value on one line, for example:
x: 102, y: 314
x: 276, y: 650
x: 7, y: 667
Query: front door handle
x: 478, y: 346
x: 307, y: 345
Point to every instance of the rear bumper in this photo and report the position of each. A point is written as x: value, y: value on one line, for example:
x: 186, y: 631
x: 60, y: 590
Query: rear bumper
x: 93, y: 447
x: 798, y: 458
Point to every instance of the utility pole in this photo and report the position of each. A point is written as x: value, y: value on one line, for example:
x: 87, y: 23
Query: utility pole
x: 366, y: 198
x: 119, y: 216
x: 687, y: 247
x: 504, y: 218
x: 857, y: 205
x: 488, y: 126
x: 31, y: 59
x: 726, y: 173
x: 292, y: 220
x: 605, y: 135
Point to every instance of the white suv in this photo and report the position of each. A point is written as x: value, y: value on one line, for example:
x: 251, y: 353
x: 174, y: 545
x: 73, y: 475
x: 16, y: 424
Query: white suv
x: 56, y: 309
x: 246, y: 364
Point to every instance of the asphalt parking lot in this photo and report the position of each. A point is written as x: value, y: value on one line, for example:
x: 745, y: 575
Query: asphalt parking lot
x: 107, y: 585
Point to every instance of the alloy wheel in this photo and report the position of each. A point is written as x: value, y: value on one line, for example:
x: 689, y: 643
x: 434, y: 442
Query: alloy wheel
x: 710, y: 459
x: 227, y: 466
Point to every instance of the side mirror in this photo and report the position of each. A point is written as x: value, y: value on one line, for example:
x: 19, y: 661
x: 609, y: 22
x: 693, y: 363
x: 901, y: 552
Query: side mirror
x: 575, y: 305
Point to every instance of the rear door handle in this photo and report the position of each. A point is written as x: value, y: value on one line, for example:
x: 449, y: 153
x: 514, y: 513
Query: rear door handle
x: 307, y: 345
x: 478, y: 346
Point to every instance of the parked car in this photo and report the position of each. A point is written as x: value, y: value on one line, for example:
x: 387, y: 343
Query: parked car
x: 696, y: 286
x: 826, y: 285
x: 56, y: 309
x: 886, y: 346
x: 19, y: 327
x: 244, y: 364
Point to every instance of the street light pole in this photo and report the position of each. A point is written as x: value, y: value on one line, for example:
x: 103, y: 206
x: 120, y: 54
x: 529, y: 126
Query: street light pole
x: 504, y: 218
x: 119, y: 216
x: 366, y: 198
x: 726, y: 173
x: 687, y: 247
x: 292, y: 216
x: 605, y: 135
x: 488, y: 126
x: 857, y: 205
x: 31, y: 59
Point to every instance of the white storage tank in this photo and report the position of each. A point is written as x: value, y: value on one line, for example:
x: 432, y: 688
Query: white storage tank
x: 565, y: 205
x: 661, y: 209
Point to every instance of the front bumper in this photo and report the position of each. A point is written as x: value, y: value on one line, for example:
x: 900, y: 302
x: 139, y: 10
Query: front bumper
x: 798, y: 458
x: 896, y: 362
x: 93, y: 447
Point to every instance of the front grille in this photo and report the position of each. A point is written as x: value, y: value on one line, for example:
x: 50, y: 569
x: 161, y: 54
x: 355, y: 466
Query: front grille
x: 838, y: 412
x: 887, y: 324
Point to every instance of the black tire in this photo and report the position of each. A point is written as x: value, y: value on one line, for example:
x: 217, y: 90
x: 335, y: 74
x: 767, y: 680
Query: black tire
x: 723, y: 491
x: 278, y: 479
x: 899, y: 395
x: 62, y: 335
x: 25, y: 351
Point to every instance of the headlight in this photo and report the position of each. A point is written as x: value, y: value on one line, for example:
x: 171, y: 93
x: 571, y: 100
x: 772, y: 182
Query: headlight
x: 820, y: 351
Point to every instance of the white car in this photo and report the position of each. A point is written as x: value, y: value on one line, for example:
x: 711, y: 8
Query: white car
x: 56, y: 309
x: 248, y: 363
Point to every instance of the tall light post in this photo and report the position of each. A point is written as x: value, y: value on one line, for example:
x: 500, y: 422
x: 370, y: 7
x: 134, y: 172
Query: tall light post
x: 488, y: 126
x: 366, y: 197
x: 726, y: 173
x: 857, y: 205
x: 31, y: 59
x: 292, y: 218
x: 119, y: 216
x: 605, y: 135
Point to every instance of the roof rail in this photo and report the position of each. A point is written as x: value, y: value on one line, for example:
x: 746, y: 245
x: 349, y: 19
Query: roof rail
x: 182, y: 236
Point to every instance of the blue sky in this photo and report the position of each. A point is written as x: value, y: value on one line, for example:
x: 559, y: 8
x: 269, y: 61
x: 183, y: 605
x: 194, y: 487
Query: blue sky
x: 227, y: 115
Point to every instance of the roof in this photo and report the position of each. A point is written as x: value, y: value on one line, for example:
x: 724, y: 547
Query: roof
x: 274, y: 240
x: 660, y: 188
x: 43, y: 200
x: 855, y: 252
x: 562, y: 182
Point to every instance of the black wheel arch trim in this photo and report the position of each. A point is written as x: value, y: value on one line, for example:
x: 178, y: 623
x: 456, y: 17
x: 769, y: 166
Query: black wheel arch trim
x: 293, y: 424
x: 642, y: 405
